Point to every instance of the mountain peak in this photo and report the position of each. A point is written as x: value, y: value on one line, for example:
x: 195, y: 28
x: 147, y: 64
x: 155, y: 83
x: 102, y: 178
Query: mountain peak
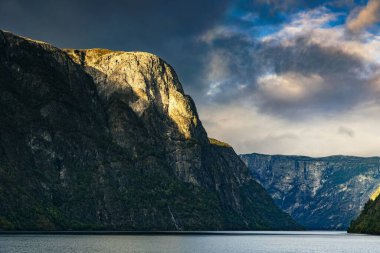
x: 144, y: 80
x: 96, y: 139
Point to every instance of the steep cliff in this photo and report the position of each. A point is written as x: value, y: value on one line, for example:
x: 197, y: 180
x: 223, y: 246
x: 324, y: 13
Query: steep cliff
x: 319, y: 193
x: 96, y: 139
x: 368, y: 221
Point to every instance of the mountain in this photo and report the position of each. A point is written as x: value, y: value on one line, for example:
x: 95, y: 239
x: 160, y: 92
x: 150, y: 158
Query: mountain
x: 319, y: 193
x: 98, y: 139
x: 368, y: 221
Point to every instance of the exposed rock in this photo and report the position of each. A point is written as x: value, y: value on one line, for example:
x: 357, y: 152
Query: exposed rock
x: 368, y: 221
x: 319, y: 193
x: 95, y: 139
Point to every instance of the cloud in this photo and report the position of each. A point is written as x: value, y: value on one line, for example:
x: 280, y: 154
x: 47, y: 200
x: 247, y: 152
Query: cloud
x: 165, y: 28
x: 305, y: 68
x: 289, y: 87
x: 313, y: 26
x: 346, y: 131
x: 366, y: 17
x: 267, y: 76
x: 78, y: 23
x: 218, y: 70
x: 296, y: 90
x: 264, y: 12
x: 248, y: 130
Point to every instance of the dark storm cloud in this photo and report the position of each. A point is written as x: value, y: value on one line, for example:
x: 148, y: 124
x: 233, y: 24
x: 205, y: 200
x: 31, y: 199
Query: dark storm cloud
x: 70, y: 22
x: 295, y: 93
x: 311, y: 78
x: 163, y: 27
x: 340, y: 86
x: 225, y: 69
x: 307, y: 66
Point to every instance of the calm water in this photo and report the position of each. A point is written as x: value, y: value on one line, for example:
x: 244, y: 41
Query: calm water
x: 289, y: 242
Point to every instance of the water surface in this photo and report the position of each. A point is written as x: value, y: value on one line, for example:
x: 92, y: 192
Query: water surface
x: 240, y: 242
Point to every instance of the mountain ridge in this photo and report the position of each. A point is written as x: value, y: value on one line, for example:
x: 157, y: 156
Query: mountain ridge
x: 312, y: 157
x: 93, y: 140
x: 319, y: 193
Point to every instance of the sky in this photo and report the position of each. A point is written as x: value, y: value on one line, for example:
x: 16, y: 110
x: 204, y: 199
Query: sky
x: 268, y: 76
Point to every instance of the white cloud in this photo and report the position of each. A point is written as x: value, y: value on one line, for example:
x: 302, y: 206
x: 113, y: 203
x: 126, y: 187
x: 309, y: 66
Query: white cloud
x: 289, y: 86
x: 366, y: 17
x: 248, y: 130
x: 217, y: 71
x: 285, y: 103
x: 313, y: 26
x: 217, y: 32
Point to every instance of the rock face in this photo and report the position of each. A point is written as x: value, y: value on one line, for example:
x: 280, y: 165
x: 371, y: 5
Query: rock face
x: 96, y: 139
x: 319, y: 193
x: 368, y: 221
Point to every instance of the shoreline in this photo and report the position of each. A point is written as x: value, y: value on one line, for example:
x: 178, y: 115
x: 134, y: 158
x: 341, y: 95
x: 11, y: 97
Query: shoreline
x: 236, y: 233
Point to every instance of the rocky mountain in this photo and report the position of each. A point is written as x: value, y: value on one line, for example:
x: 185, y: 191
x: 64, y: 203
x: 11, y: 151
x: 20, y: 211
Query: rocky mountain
x: 368, y: 221
x: 319, y: 193
x: 97, y: 139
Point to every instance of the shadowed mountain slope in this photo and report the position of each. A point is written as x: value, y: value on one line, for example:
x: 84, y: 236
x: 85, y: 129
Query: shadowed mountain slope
x: 96, y: 139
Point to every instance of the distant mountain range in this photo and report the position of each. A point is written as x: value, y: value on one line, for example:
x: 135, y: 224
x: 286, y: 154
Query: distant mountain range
x: 104, y: 140
x: 319, y: 193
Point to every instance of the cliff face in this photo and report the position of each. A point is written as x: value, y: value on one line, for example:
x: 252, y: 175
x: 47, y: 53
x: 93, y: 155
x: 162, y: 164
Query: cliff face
x: 368, y: 221
x: 96, y: 139
x: 319, y: 193
x: 141, y: 91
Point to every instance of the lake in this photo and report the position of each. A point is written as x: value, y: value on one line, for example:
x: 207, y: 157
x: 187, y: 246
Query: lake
x: 239, y: 242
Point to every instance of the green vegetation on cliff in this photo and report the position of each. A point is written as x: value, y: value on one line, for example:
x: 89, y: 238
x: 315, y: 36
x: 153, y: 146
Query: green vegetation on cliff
x: 368, y: 221
x: 219, y: 143
x: 95, y: 139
